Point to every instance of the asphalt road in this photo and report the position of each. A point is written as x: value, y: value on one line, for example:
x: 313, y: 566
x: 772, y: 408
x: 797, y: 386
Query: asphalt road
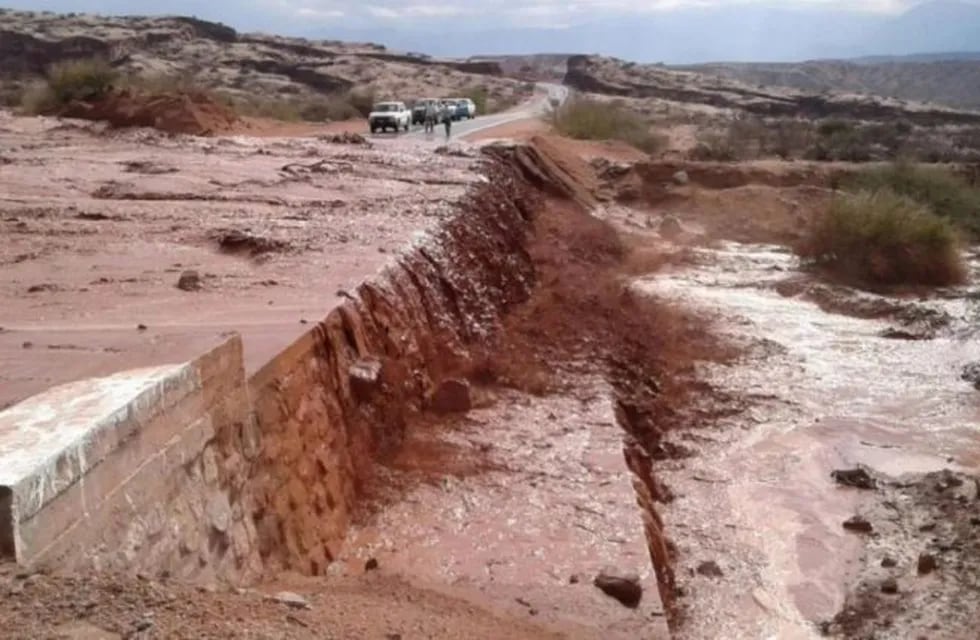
x: 538, y: 107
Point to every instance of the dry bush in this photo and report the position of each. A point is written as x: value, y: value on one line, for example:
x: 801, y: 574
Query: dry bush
x: 587, y: 119
x: 479, y: 97
x: 156, y: 83
x: 833, y: 139
x: 714, y: 147
x: 945, y: 194
x: 86, y: 80
x: 331, y: 109
x: 881, y: 237
x: 38, y: 99
x: 362, y: 99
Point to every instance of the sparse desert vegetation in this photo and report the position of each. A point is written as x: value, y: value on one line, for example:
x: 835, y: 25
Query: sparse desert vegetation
x: 259, y: 74
x: 834, y: 140
x: 92, y: 79
x: 881, y: 237
x: 945, y: 194
x: 734, y: 121
x: 589, y: 119
x: 87, y: 80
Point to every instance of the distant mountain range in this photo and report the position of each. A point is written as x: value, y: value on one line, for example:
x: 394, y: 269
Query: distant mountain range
x: 738, y: 32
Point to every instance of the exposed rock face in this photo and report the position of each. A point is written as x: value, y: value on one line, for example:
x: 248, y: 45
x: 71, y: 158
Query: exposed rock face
x: 617, y: 78
x: 245, y: 66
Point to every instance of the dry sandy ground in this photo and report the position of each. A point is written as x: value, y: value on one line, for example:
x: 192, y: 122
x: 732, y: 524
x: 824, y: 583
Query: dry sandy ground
x: 97, y: 228
x: 372, y: 607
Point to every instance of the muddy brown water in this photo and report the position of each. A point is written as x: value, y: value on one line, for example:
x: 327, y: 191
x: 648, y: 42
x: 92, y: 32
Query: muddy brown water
x: 520, y: 503
x: 827, y: 392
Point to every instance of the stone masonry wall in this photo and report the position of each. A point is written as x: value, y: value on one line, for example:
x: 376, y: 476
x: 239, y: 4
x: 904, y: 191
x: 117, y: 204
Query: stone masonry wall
x: 340, y: 396
x: 216, y: 478
x: 135, y: 483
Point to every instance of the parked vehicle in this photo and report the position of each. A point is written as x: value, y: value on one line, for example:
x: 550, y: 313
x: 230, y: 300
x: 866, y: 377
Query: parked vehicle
x: 390, y: 115
x: 448, y: 106
x: 418, y: 109
x: 465, y: 109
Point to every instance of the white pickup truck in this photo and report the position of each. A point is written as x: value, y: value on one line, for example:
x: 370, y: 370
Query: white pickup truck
x: 390, y: 115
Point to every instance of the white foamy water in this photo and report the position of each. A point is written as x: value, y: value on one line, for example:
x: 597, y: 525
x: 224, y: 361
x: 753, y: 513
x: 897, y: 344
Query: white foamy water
x: 828, y: 392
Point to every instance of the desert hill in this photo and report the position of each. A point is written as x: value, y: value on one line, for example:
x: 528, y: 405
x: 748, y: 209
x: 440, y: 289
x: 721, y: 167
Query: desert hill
x: 246, y: 67
x: 936, y: 77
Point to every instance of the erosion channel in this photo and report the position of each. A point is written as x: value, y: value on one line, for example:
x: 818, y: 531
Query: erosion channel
x: 587, y: 400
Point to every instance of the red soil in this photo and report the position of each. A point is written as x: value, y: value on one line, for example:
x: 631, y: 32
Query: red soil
x: 194, y: 113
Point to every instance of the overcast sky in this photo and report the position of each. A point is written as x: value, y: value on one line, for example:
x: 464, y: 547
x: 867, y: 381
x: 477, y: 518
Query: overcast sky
x: 313, y: 13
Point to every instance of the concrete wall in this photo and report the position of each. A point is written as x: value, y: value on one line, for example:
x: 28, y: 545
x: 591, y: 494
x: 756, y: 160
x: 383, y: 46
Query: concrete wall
x: 193, y: 471
x: 339, y: 398
x: 123, y: 471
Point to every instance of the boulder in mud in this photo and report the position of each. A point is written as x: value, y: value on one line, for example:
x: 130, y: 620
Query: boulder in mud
x: 365, y: 378
x: 670, y: 227
x: 346, y: 137
x: 859, y: 478
x: 451, y: 396
x: 971, y: 374
x: 189, y: 280
x: 858, y: 524
x: 292, y: 600
x: 889, y: 585
x: 927, y: 564
x: 624, y: 587
x: 710, y: 569
x: 893, y: 333
x: 238, y: 241
x: 681, y: 178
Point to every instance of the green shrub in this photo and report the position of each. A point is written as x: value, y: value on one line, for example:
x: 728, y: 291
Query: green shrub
x: 65, y: 82
x: 882, y: 237
x: 38, y: 99
x: 947, y: 195
x: 714, y: 147
x: 156, y: 83
x: 832, y: 127
x: 256, y: 107
x: 479, y: 97
x: 587, y: 119
x: 85, y: 80
x: 330, y: 109
x: 362, y: 100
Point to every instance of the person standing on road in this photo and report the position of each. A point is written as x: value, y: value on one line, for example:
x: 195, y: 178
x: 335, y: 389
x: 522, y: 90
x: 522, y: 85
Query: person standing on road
x: 430, y: 117
x: 447, y: 119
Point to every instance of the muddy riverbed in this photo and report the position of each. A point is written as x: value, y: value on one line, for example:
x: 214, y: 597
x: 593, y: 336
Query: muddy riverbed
x: 757, y: 516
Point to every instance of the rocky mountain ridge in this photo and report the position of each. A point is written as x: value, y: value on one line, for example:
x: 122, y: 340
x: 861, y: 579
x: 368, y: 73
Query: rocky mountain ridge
x: 612, y: 77
x: 215, y: 56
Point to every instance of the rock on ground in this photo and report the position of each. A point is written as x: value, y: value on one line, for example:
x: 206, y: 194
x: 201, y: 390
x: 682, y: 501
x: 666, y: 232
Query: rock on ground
x: 624, y: 587
x: 451, y: 396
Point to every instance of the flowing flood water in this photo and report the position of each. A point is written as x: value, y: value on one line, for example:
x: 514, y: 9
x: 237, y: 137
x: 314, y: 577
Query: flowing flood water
x: 826, y: 391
